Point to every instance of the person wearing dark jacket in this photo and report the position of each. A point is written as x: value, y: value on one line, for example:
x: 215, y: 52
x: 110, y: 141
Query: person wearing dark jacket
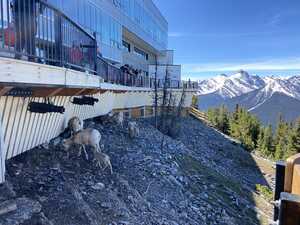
x: 26, y: 25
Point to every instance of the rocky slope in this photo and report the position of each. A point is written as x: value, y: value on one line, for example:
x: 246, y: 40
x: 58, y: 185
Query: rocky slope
x: 200, y: 178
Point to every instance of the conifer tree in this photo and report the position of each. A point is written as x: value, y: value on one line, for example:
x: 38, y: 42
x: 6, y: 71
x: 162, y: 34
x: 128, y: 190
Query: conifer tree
x: 223, y: 120
x: 245, y: 127
x: 236, y: 112
x: 265, y: 141
x: 297, y: 138
x: 212, y: 116
x: 281, y: 139
x: 293, y: 139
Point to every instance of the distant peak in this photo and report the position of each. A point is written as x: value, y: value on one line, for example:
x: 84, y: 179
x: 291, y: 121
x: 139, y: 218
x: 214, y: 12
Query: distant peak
x: 242, y: 71
x: 223, y: 75
x: 241, y: 74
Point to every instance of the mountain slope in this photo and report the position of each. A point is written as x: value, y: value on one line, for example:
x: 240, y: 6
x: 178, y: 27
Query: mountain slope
x: 269, y: 111
x: 255, y: 94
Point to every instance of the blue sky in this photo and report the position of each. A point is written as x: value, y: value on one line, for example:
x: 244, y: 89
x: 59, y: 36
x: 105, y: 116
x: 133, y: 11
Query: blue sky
x: 221, y: 36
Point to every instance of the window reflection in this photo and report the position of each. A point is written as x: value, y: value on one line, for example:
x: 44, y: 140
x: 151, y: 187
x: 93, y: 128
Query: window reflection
x: 108, y: 30
x: 137, y: 12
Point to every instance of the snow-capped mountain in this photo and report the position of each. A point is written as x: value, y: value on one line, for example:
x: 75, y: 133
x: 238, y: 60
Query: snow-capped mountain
x: 254, y: 93
x: 212, y: 85
x: 231, y: 86
x: 289, y: 87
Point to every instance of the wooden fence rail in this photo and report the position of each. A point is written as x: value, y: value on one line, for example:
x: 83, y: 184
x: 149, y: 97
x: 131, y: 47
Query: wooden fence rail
x: 199, y: 115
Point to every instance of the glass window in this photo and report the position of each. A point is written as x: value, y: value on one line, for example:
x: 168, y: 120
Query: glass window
x: 126, y: 46
x: 87, y: 16
x: 81, y: 11
x: 105, y: 29
x: 141, y: 53
x: 117, y: 3
x: 70, y: 8
x: 99, y: 25
x: 93, y: 20
x: 56, y: 3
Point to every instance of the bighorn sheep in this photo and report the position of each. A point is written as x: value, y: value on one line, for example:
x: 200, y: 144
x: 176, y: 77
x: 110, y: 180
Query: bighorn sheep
x: 113, y: 118
x: 89, y: 137
x: 133, y: 130
x: 103, y: 161
x: 75, y: 124
x: 119, y: 118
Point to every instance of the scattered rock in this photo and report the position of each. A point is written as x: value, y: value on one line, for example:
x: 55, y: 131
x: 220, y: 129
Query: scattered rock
x: 183, y: 181
x: 98, y: 186
x: 7, y: 207
x: 7, y: 190
x: 25, y: 209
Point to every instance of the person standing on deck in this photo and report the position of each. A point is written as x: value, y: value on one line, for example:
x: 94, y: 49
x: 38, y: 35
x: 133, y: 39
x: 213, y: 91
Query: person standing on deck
x: 25, y: 22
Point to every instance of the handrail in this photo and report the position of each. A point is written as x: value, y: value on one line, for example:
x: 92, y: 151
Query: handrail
x: 113, y: 74
x: 39, y: 32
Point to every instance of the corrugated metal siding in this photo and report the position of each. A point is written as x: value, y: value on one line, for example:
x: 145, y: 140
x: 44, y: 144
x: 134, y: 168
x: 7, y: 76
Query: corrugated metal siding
x: 23, y: 130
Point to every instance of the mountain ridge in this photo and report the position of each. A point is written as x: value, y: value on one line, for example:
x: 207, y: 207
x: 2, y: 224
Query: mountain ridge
x: 251, y: 92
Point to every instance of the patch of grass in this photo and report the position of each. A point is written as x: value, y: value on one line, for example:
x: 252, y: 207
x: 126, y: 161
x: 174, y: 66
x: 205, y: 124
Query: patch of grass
x: 193, y: 167
x: 265, y: 191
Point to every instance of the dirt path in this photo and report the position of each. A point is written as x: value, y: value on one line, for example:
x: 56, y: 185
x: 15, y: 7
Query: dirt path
x: 267, y: 169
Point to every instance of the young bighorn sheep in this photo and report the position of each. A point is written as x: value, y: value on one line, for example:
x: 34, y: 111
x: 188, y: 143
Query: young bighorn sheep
x: 86, y: 137
x: 103, y: 161
x: 119, y: 118
x: 113, y: 118
x: 75, y: 124
x: 133, y: 130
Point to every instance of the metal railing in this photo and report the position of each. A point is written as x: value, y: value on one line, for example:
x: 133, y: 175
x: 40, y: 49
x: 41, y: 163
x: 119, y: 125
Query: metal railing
x: 115, y: 75
x: 36, y: 31
x: 112, y: 74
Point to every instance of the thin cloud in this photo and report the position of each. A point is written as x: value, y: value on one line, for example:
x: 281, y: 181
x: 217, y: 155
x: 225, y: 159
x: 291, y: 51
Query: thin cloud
x: 177, y: 34
x: 277, y: 64
x: 276, y: 20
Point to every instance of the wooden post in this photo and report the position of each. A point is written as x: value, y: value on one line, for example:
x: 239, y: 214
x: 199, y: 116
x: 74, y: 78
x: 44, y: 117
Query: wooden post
x: 279, y: 186
x: 289, y: 209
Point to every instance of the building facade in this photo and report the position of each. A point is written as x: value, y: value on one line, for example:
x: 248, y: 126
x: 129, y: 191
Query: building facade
x: 131, y: 32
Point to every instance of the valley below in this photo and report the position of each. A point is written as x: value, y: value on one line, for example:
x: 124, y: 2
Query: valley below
x: 201, y: 177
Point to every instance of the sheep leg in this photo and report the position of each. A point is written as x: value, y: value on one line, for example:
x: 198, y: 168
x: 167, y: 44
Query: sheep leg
x: 85, y: 153
x: 98, y: 164
x: 104, y: 168
x: 108, y: 164
x: 79, y: 151
x: 68, y: 154
x: 98, y: 149
x: 110, y: 167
